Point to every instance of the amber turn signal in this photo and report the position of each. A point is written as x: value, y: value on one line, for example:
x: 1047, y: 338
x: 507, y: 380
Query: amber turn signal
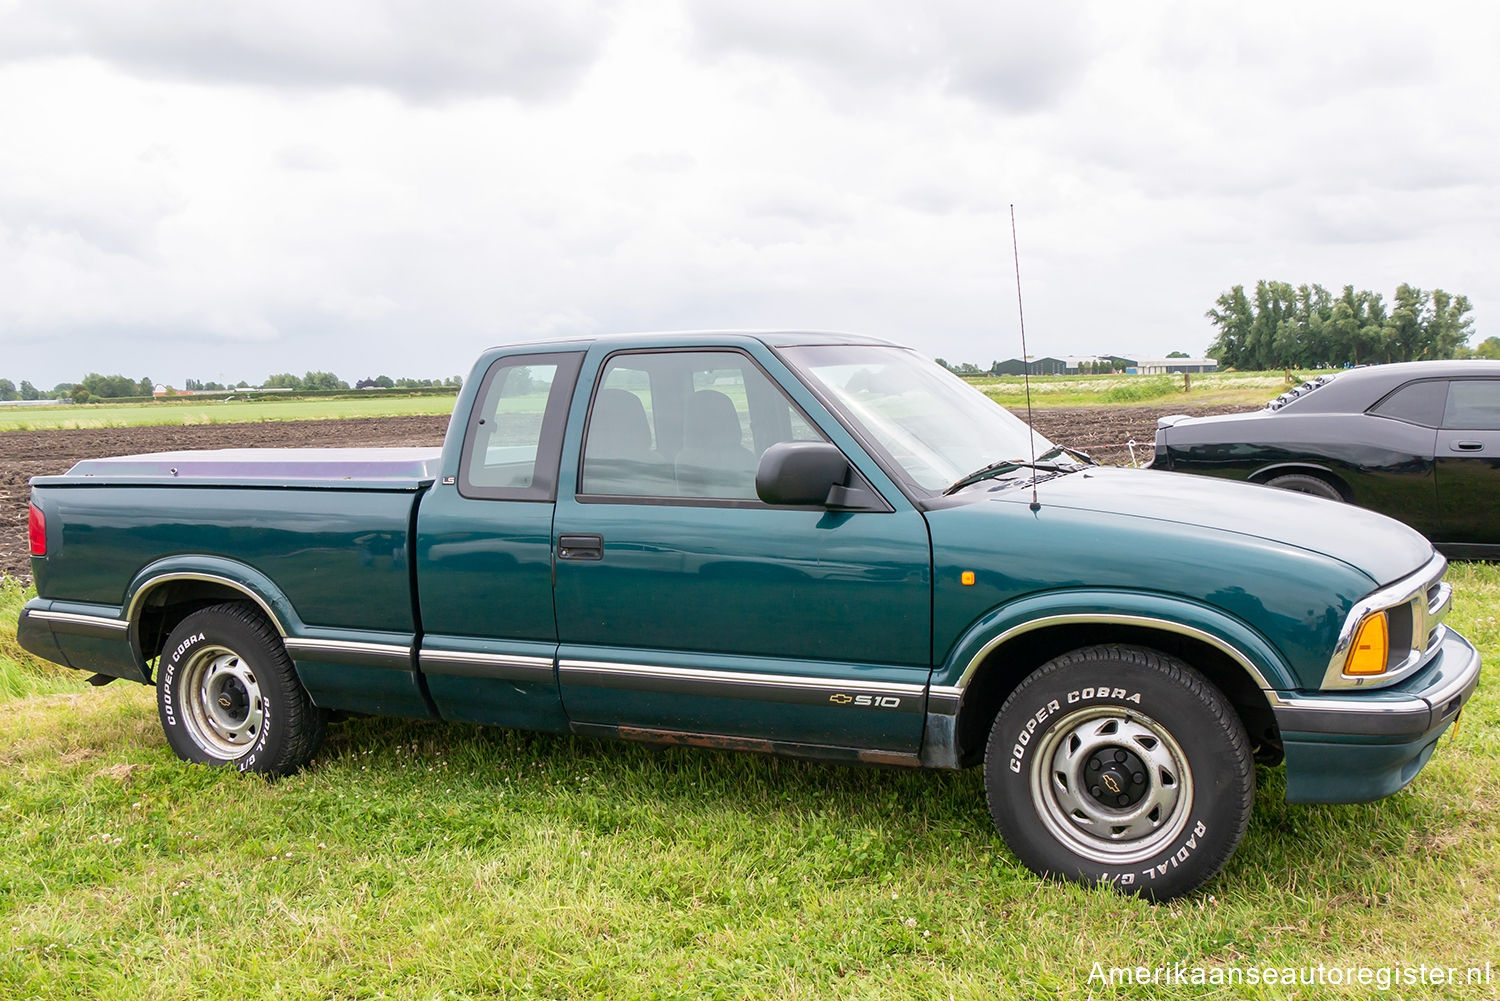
x: 1371, y: 647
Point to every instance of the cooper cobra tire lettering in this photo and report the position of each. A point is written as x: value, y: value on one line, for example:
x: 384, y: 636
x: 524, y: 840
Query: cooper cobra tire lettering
x: 1144, y: 782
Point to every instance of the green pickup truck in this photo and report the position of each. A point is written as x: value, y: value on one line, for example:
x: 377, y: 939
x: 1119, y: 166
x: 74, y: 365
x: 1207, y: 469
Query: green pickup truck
x: 807, y: 544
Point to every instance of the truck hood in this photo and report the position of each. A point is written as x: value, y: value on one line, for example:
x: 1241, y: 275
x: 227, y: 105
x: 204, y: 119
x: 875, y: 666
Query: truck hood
x: 1382, y: 548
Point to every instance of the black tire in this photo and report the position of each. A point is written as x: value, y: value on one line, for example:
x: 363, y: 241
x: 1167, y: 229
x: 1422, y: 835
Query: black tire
x: 1306, y: 483
x: 228, y: 694
x: 1131, y: 718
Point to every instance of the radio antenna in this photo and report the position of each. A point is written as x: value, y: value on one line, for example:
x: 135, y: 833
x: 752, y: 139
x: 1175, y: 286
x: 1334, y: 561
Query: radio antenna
x: 1025, y: 358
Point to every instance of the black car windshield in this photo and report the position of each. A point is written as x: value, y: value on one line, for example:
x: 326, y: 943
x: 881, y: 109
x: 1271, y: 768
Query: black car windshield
x: 930, y: 423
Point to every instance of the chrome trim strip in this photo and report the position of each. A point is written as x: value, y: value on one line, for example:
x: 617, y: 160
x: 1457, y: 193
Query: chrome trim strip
x: 1427, y: 631
x: 1384, y: 707
x: 1092, y: 618
x: 78, y: 624
x: 151, y: 584
x: 500, y: 667
x: 351, y: 652
x: 738, y: 677
x: 792, y: 689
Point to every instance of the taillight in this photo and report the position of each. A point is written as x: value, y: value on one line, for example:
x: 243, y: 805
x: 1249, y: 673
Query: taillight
x: 36, y: 526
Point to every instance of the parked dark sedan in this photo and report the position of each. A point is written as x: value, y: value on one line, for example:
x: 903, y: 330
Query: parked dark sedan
x: 1418, y: 441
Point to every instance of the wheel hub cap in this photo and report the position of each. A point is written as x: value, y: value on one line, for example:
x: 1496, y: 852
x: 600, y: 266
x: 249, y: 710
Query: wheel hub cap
x: 223, y: 707
x: 1112, y: 784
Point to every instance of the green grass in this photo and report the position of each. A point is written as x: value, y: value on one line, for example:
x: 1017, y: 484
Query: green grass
x: 430, y: 860
x: 1244, y: 389
x: 21, y: 674
x: 216, y: 411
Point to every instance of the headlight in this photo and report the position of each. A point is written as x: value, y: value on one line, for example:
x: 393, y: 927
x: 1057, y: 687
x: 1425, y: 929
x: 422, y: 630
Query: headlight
x: 1393, y: 632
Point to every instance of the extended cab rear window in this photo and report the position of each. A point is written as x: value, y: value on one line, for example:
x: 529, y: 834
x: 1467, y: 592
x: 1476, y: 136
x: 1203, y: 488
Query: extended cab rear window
x: 513, y: 442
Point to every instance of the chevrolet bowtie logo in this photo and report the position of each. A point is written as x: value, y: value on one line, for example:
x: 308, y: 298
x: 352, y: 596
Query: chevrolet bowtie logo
x: 1111, y: 783
x: 224, y: 701
x: 840, y: 698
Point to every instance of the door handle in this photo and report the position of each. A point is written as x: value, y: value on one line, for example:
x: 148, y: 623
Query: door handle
x: 580, y: 547
x: 1468, y: 446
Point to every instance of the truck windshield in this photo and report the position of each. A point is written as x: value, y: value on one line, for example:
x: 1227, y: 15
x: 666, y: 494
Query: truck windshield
x: 932, y: 425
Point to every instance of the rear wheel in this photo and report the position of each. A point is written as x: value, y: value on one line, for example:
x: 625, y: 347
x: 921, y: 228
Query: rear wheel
x: 228, y: 694
x: 1306, y: 483
x: 1121, y: 765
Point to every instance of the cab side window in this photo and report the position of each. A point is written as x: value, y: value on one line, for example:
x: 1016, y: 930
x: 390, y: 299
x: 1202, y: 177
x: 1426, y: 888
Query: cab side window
x: 514, y: 437
x: 685, y: 424
x: 1415, y: 403
x: 1473, y: 405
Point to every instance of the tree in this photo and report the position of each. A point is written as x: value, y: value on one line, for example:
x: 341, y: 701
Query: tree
x: 7, y: 390
x: 1487, y: 348
x: 1178, y: 354
x: 282, y: 380
x: 323, y: 380
x: 110, y: 386
x: 29, y: 392
x: 80, y: 394
x: 1280, y: 326
x: 1232, y: 314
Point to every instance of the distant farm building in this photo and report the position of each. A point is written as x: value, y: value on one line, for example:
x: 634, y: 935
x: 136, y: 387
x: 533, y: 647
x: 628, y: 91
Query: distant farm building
x: 1036, y: 366
x: 1172, y: 366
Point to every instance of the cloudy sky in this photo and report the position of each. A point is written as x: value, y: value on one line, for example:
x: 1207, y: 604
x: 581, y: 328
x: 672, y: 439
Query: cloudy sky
x: 224, y: 190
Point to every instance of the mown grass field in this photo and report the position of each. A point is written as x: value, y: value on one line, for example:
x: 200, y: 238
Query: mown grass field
x: 431, y: 860
x: 217, y: 411
x: 1250, y: 390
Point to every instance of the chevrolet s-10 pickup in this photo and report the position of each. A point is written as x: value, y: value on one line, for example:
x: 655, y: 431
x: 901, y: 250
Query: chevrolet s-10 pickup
x: 809, y: 544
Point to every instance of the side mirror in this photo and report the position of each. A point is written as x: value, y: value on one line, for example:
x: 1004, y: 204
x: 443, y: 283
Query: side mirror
x: 801, y: 473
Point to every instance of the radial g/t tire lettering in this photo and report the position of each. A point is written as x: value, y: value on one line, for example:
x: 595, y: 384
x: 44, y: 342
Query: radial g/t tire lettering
x: 228, y: 694
x: 1120, y: 764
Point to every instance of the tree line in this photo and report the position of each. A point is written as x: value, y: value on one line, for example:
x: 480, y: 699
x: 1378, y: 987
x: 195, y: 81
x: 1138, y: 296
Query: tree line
x: 112, y: 387
x: 1278, y: 325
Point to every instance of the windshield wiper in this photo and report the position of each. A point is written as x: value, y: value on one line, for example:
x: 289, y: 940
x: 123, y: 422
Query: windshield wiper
x: 1081, y: 458
x: 1007, y: 466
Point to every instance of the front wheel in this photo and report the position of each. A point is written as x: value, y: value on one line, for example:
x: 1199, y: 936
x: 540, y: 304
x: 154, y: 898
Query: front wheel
x: 228, y: 694
x: 1122, y: 765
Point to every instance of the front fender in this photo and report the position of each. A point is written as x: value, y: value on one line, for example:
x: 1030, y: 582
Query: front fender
x: 1237, y: 639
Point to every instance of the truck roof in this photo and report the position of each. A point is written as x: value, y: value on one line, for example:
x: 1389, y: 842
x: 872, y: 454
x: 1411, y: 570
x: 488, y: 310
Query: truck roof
x: 773, y: 338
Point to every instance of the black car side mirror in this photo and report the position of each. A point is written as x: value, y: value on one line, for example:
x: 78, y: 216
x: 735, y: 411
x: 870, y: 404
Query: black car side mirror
x: 800, y: 473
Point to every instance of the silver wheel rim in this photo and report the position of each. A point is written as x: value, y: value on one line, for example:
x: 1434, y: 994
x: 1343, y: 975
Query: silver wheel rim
x: 222, y: 704
x: 1066, y: 799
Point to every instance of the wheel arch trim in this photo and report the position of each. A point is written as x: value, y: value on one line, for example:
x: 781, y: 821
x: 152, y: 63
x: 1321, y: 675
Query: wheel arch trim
x: 1236, y: 640
x: 1294, y: 466
x: 1250, y: 653
x: 237, y: 577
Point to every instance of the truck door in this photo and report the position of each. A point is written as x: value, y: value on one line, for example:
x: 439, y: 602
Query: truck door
x: 484, y: 548
x: 689, y: 610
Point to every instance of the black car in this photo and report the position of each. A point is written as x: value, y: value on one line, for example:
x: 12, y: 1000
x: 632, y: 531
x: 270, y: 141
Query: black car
x: 1418, y: 441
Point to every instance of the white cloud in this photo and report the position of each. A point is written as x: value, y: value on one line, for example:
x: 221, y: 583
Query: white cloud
x: 230, y: 196
x: 416, y: 48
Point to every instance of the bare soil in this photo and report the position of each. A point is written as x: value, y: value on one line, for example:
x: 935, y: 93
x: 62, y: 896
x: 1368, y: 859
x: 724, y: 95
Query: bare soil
x: 1103, y: 432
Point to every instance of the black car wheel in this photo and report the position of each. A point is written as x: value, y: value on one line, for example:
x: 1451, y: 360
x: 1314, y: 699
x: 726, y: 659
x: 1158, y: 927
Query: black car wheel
x: 228, y: 694
x: 1304, y: 483
x: 1121, y: 765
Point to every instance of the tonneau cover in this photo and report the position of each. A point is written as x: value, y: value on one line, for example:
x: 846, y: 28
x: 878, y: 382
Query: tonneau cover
x: 378, y: 467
